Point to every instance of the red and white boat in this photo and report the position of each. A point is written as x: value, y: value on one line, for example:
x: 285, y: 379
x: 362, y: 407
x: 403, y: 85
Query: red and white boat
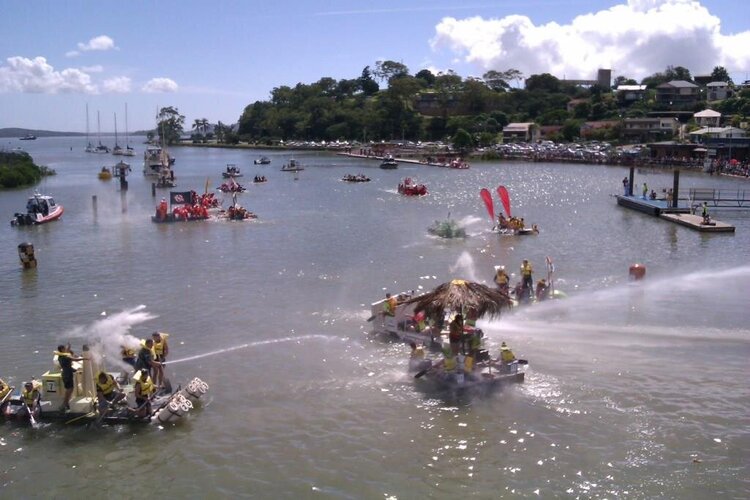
x: 409, y: 188
x: 39, y: 209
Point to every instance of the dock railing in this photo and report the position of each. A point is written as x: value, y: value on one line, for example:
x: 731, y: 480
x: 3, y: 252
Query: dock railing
x: 719, y: 198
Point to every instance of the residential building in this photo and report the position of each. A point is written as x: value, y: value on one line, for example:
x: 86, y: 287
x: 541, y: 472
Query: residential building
x: 707, y: 118
x: 521, y: 132
x: 678, y: 94
x: 588, y: 129
x: 718, y: 91
x: 649, y: 129
x: 631, y: 93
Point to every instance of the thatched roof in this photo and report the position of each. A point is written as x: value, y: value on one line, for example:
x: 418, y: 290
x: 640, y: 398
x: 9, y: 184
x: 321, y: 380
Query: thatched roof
x: 461, y: 296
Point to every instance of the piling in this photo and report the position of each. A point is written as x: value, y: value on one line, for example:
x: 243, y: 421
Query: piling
x: 93, y: 203
x: 153, y: 190
x: 631, y: 178
x: 675, y: 188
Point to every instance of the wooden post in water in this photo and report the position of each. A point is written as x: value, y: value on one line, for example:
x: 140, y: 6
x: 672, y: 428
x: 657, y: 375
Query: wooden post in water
x: 124, y: 201
x: 93, y: 204
x: 675, y: 188
x: 153, y: 190
x: 630, y: 181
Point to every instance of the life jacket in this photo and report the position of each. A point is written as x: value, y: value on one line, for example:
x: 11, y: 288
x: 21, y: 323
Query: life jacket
x: 507, y: 356
x: 159, y: 346
x: 469, y: 364
x: 29, y: 397
x: 389, y: 306
x: 501, y: 278
x: 108, y: 386
x: 418, y: 353
x: 147, y: 386
x: 449, y: 364
x: 526, y: 270
x: 126, y: 352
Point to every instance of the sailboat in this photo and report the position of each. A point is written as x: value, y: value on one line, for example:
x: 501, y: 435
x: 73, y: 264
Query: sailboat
x: 101, y: 148
x: 117, y: 150
x: 89, y: 146
x: 128, y: 150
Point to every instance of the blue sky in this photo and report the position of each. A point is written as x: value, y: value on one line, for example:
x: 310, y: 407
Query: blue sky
x: 211, y: 59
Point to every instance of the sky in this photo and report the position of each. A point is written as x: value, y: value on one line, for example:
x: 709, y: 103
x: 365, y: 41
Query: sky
x: 210, y: 59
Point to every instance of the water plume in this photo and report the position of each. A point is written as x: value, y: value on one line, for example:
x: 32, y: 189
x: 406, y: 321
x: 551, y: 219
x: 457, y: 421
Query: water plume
x: 464, y: 267
x: 252, y: 344
x: 105, y: 337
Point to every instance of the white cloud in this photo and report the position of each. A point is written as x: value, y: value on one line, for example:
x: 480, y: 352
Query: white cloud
x: 634, y: 39
x: 156, y: 85
x: 72, y: 53
x: 37, y: 76
x: 98, y: 68
x: 119, y: 85
x: 101, y: 42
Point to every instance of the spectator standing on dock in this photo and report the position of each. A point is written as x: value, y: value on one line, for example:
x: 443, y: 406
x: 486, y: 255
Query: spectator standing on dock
x: 645, y: 190
x: 704, y: 213
x: 625, y: 186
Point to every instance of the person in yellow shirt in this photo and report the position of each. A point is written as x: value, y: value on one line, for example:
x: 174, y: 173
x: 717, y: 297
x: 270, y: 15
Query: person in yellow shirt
x: 389, y: 306
x: 527, y: 279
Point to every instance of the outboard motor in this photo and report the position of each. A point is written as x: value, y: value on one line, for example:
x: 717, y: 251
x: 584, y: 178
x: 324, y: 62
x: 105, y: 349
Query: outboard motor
x: 177, y: 407
x: 194, y: 390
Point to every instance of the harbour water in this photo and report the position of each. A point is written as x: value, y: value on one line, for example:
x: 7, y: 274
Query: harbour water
x: 634, y: 391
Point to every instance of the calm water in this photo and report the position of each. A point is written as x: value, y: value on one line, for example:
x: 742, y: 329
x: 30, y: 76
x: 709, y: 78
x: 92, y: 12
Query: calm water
x: 633, y: 391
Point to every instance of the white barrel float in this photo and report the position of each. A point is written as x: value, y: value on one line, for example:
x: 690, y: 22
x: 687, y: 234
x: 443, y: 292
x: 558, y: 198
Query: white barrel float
x: 194, y: 390
x: 177, y: 407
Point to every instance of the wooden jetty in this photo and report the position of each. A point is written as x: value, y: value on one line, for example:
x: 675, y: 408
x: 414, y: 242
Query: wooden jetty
x: 696, y: 222
x: 670, y: 210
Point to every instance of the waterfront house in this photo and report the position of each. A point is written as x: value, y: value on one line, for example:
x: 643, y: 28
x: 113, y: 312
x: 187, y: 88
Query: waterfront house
x: 630, y: 93
x: 718, y: 91
x: 707, y: 118
x: 589, y: 129
x: 649, y: 129
x: 677, y: 94
x: 521, y: 132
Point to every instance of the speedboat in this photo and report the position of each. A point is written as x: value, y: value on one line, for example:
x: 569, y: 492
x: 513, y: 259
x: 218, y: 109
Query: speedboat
x: 263, y: 160
x: 408, y: 187
x: 231, y: 171
x: 258, y: 179
x: 27, y: 137
x: 292, y: 166
x: 389, y: 163
x: 39, y: 209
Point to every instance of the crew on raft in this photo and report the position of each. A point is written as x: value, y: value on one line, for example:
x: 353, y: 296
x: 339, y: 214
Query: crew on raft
x: 260, y: 178
x: 143, y: 389
x: 506, y: 358
x: 108, y: 391
x: 527, y: 280
x: 30, y: 395
x: 502, y: 279
x: 542, y: 289
x: 513, y: 223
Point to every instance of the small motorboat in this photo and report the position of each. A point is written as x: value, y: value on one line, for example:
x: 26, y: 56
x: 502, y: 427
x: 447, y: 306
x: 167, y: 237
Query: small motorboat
x: 355, y: 178
x: 27, y: 137
x: 263, y: 160
x: 389, y: 163
x: 236, y: 212
x: 258, y: 179
x: 460, y: 164
x: 165, y: 183
x: 105, y: 174
x: 408, y: 187
x: 292, y: 166
x: 39, y: 210
x: 231, y: 171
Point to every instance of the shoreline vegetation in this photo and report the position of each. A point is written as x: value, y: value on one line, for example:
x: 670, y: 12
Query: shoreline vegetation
x: 17, y: 170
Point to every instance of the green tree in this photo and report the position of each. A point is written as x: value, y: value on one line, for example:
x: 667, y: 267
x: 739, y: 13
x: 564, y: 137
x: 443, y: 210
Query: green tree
x: 426, y: 76
x: 462, y: 141
x: 544, y: 83
x: 387, y: 70
x: 171, y: 124
x: 367, y: 83
x: 720, y: 74
x: 571, y: 130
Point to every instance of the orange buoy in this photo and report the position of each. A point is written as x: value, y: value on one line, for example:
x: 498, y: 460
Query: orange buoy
x: 637, y: 271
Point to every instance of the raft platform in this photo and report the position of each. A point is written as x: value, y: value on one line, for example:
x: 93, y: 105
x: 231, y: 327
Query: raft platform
x: 696, y: 222
x: 651, y: 207
x: 410, y: 161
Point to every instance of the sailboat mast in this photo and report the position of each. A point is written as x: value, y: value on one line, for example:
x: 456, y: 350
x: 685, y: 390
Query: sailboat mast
x: 116, y: 144
x: 88, y: 139
x: 127, y: 137
x: 98, y: 128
